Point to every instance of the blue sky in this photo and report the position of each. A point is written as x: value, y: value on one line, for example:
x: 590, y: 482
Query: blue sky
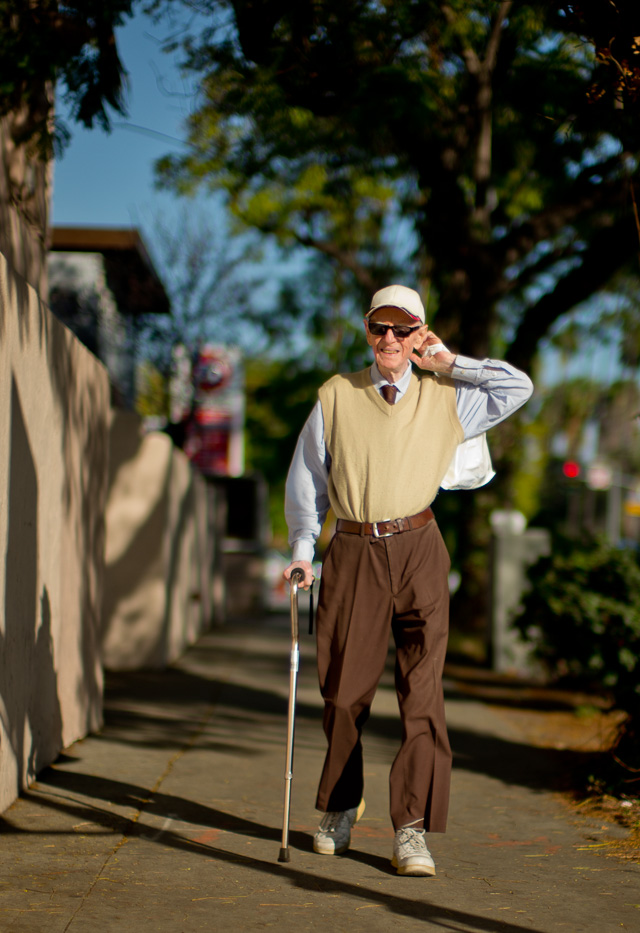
x: 107, y: 179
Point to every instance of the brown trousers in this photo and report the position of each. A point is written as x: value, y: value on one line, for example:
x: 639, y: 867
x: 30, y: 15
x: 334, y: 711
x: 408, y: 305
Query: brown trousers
x: 371, y: 587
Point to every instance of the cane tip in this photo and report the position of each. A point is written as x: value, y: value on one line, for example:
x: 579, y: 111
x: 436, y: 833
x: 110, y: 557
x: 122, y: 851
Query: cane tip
x: 284, y: 855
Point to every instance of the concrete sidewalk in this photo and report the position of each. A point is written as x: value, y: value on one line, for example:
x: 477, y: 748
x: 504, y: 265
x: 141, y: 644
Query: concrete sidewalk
x: 170, y: 819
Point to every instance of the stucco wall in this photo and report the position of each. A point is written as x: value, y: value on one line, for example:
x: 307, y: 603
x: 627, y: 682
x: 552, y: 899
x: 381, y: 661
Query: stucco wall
x: 158, y: 577
x: 54, y: 408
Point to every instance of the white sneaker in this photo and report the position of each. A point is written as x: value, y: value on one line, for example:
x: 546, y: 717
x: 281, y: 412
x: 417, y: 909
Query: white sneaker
x: 334, y: 832
x: 410, y: 853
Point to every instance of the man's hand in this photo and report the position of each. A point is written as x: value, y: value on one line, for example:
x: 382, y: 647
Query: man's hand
x: 303, y: 565
x: 440, y: 361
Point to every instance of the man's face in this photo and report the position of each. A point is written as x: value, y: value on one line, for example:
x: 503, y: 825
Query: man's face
x: 392, y: 353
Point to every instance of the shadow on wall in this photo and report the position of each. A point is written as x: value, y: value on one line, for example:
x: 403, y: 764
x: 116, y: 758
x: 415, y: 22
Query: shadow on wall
x: 22, y: 655
x: 157, y: 597
x: 82, y: 402
x: 54, y: 423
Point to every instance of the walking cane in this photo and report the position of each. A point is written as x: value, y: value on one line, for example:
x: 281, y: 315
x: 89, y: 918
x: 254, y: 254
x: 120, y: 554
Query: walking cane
x: 297, y: 576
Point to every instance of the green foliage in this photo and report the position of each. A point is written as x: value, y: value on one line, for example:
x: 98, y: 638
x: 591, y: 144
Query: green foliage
x: 583, y: 612
x: 527, y: 476
x: 614, y: 31
x: 280, y: 396
x: 153, y: 392
x: 576, y: 420
x: 325, y: 122
x: 43, y: 42
x: 332, y: 124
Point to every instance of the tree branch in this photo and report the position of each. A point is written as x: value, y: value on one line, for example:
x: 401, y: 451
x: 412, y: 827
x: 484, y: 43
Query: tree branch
x: 346, y: 259
x: 493, y: 45
x: 481, y: 70
x: 610, y: 249
x: 548, y: 222
x: 469, y: 55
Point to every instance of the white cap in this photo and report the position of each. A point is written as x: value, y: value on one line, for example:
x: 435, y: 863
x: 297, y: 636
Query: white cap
x: 398, y: 296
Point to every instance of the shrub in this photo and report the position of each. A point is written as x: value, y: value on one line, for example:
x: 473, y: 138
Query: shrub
x: 583, y: 615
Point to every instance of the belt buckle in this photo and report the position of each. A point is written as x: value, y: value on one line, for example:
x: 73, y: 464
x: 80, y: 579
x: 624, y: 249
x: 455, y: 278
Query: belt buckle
x: 376, y: 533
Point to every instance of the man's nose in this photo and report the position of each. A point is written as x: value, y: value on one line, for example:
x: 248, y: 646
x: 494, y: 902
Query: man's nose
x: 389, y: 337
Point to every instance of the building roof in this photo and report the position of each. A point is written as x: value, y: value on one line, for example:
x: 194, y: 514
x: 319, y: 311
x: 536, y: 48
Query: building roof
x: 129, y: 269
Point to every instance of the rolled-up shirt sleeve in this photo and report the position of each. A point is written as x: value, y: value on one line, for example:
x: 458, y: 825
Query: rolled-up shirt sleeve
x: 487, y: 392
x: 306, y: 500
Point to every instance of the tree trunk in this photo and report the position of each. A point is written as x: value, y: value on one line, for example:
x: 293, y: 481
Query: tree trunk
x: 25, y: 183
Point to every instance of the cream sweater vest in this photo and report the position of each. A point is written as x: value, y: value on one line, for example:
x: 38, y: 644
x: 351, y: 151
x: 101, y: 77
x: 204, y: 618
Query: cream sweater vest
x: 387, y: 461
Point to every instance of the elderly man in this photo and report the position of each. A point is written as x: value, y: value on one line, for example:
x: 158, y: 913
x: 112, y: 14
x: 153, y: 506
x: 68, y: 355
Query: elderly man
x: 375, y: 449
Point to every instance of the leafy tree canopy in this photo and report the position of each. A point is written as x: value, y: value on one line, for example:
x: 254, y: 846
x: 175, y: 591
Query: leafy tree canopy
x: 46, y: 41
x: 613, y: 27
x: 327, y: 121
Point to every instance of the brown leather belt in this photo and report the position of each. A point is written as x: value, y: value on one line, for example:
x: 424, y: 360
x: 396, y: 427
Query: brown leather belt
x: 381, y: 529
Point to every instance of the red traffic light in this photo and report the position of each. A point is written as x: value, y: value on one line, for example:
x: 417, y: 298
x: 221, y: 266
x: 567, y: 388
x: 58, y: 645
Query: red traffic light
x: 571, y: 469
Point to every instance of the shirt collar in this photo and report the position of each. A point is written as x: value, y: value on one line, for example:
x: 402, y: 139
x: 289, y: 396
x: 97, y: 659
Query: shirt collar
x: 379, y: 380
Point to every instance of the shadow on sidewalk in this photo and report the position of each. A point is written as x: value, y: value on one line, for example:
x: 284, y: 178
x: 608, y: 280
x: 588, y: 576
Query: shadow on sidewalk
x: 182, y: 708
x: 148, y: 709
x: 219, y: 822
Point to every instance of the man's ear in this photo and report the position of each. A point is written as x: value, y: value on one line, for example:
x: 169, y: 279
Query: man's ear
x: 421, y: 335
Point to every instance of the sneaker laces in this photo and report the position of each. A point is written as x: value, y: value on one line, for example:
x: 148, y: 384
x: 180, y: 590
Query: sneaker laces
x: 412, y: 839
x: 331, y: 821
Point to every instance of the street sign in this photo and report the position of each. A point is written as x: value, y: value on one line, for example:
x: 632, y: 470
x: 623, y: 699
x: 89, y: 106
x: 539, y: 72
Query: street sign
x: 599, y: 476
x: 632, y: 502
x: 214, y: 441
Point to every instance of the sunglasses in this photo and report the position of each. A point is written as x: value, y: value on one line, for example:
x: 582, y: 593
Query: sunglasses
x: 400, y: 331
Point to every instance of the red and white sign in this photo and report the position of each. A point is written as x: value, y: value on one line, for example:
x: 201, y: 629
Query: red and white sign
x: 599, y: 476
x: 214, y: 441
